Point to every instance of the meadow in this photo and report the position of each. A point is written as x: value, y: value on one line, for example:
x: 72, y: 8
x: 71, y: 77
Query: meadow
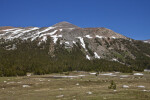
x: 77, y: 86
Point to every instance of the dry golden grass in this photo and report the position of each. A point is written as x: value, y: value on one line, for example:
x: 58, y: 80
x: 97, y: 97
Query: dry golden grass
x: 88, y: 87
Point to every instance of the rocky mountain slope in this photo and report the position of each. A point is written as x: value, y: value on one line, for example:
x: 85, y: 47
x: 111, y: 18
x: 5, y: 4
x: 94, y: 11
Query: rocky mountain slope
x: 147, y: 41
x: 70, y: 44
x: 68, y: 34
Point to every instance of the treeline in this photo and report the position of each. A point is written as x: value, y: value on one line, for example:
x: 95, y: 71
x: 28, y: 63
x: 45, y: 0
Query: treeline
x: 28, y: 57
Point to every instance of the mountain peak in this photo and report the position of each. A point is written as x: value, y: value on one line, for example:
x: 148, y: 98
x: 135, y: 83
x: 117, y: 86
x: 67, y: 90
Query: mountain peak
x: 65, y: 24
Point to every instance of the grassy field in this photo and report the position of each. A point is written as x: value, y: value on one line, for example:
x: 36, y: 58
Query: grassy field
x: 76, y: 86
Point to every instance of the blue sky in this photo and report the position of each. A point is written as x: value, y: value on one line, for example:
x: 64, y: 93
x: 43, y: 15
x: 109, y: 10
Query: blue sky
x: 128, y: 17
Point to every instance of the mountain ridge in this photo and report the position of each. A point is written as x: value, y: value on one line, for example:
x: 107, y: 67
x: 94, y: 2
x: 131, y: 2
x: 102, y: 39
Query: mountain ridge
x: 93, y: 41
x: 65, y: 24
x: 66, y: 47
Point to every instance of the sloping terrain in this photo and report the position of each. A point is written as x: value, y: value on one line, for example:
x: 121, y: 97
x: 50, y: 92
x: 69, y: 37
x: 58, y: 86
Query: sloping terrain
x: 147, y: 41
x: 66, y: 47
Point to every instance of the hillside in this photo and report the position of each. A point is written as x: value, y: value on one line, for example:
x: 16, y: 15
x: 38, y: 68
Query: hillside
x: 147, y: 41
x: 67, y: 47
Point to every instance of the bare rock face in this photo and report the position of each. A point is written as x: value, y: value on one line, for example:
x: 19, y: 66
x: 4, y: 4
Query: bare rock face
x: 51, y: 49
x: 5, y: 27
x: 65, y: 25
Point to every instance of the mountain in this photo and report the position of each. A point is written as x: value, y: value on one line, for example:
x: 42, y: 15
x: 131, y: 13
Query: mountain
x: 147, y: 41
x: 67, y: 33
x: 67, y: 47
x: 65, y: 25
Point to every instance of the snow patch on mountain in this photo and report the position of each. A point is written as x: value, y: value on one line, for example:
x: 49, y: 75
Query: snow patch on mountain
x: 99, y: 36
x: 146, y: 41
x: 88, y: 36
x: 55, y: 37
x: 44, y: 38
x: 114, y: 59
x: 67, y: 42
x: 74, y: 42
x: 87, y: 57
x: 82, y: 42
x: 37, y: 34
x: 60, y: 30
x: 45, y: 30
x: 96, y: 55
x: 70, y: 28
x: 113, y: 37
x: 51, y: 33
x: 31, y: 29
x: 14, y: 34
x: 10, y: 29
x: 17, y: 31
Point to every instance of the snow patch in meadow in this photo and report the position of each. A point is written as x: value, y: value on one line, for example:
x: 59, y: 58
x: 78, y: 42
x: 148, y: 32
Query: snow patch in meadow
x: 61, y: 89
x: 108, y: 74
x: 115, y: 90
x: 141, y: 86
x: 10, y: 82
x: 5, y: 81
x: 146, y: 90
x: 146, y: 70
x: 81, y: 75
x: 138, y: 74
x: 77, y: 84
x: 25, y: 86
x: 92, y: 73
x: 89, y: 92
x: 124, y: 76
x: 66, y: 76
x: 60, y: 96
x: 125, y: 86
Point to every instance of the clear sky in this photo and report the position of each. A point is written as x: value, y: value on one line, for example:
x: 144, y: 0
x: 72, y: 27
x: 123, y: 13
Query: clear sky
x: 128, y: 17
